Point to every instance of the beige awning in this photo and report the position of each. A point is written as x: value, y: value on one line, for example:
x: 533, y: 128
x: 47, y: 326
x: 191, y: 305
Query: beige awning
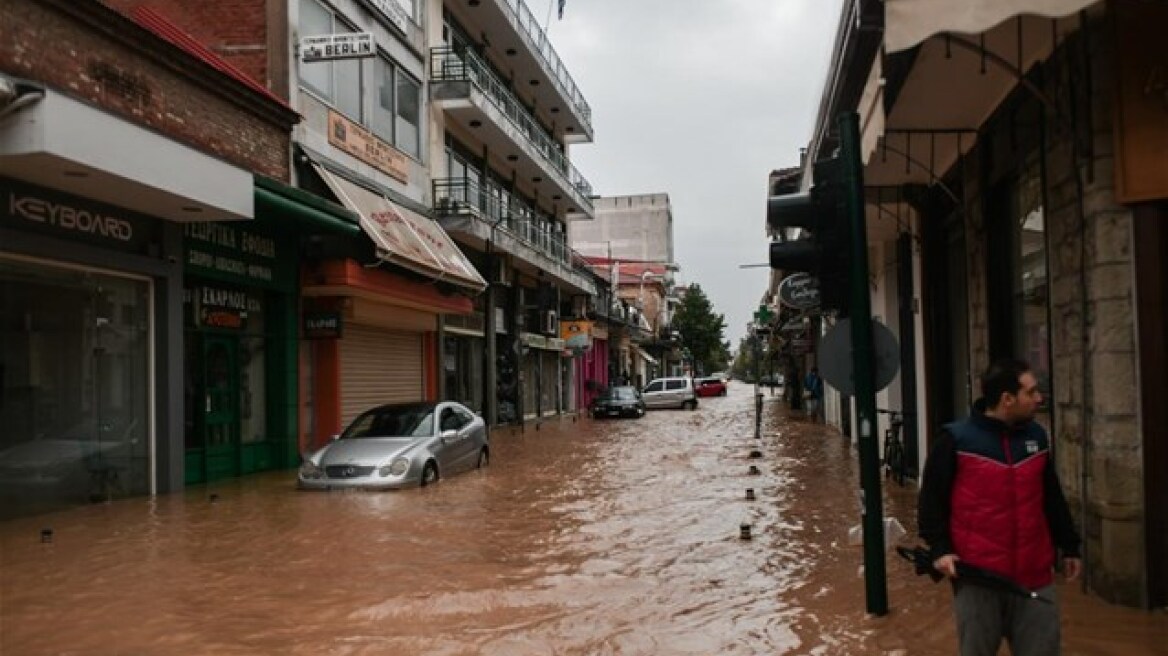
x: 403, y: 236
x: 909, y: 22
x: 643, y: 355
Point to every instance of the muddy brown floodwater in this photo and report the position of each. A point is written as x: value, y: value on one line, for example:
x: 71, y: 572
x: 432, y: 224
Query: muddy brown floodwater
x: 587, y: 538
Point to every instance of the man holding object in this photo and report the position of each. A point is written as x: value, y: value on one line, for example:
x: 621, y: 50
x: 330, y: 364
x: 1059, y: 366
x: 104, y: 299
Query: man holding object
x: 990, y: 497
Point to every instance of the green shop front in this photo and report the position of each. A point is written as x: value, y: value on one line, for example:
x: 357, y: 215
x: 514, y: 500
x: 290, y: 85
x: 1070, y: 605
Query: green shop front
x: 240, y: 348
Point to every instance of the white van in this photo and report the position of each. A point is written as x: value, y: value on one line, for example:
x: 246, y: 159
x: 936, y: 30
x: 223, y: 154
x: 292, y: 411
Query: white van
x: 670, y: 393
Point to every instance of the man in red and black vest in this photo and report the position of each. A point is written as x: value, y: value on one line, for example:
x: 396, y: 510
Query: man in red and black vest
x: 990, y: 498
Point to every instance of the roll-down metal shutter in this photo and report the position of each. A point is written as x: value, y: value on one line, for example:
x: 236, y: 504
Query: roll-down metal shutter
x: 379, y: 366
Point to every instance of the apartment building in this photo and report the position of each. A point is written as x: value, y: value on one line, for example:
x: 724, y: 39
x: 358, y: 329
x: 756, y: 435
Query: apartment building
x: 503, y: 113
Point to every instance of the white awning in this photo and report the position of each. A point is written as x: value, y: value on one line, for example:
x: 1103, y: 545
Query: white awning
x: 909, y: 22
x: 71, y: 146
x: 403, y: 236
x: 643, y: 355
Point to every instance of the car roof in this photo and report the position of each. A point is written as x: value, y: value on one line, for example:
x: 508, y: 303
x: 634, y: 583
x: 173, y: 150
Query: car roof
x: 416, y: 405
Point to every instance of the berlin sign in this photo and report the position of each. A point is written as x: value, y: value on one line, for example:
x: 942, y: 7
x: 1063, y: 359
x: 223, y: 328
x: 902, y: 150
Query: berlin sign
x: 799, y: 291
x: 327, y: 47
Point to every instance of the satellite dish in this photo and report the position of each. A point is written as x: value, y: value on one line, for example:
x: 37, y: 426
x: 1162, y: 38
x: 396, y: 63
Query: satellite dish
x: 835, y: 356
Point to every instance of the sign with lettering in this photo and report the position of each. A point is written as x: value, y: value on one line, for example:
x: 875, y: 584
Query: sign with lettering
x: 799, y: 291
x: 220, y: 307
x: 367, y: 147
x: 329, y: 47
x: 393, y: 11
x: 322, y: 325
x: 240, y: 253
x: 49, y: 212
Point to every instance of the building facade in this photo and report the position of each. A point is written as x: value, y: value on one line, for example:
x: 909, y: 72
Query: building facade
x: 503, y: 111
x: 112, y: 153
x: 1014, y: 212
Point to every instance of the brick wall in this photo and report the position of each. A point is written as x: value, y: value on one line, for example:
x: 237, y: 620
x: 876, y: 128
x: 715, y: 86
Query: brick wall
x: 236, y: 30
x: 41, y: 43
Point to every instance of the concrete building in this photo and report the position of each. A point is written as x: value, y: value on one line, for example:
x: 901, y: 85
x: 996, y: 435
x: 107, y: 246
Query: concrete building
x: 503, y: 111
x: 1017, y: 196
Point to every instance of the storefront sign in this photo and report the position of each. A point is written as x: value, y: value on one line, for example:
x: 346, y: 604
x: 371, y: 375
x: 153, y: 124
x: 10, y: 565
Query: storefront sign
x: 394, y: 12
x: 27, y: 207
x: 1142, y: 102
x: 322, y: 325
x: 242, y: 255
x: 799, y: 291
x: 365, y: 146
x: 329, y: 47
x: 216, y: 307
x: 577, y: 335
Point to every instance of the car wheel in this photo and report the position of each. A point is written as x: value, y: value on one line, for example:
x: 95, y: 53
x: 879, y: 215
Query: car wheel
x: 722, y: 393
x: 640, y: 413
x: 693, y: 404
x: 429, y: 474
x: 484, y: 458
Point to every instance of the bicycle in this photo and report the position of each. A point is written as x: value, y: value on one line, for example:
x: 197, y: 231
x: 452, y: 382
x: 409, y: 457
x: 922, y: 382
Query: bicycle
x: 893, y: 462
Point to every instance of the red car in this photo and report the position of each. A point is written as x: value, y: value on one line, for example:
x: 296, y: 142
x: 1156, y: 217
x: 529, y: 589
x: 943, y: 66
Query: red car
x: 710, y: 387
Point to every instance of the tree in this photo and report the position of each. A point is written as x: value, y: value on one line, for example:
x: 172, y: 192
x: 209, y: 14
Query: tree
x: 701, y: 330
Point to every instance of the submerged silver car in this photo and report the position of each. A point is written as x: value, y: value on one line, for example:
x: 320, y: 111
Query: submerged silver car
x: 404, y: 445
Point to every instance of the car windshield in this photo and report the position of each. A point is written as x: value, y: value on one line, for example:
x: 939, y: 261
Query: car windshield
x: 623, y: 394
x: 414, y: 420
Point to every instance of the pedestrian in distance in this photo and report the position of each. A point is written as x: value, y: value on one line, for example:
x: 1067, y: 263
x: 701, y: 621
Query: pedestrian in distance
x: 813, y: 393
x: 990, y: 498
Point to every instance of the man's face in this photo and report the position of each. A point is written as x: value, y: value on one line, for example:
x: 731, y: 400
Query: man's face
x: 1022, y: 406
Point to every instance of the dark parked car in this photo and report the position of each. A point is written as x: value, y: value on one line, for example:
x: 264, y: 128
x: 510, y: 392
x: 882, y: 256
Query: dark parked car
x: 618, y: 402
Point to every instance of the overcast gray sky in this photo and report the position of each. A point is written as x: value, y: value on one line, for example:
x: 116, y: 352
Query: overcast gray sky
x: 699, y: 99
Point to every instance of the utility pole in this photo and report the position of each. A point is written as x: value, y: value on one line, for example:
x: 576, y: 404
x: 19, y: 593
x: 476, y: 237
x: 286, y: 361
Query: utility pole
x: 863, y: 362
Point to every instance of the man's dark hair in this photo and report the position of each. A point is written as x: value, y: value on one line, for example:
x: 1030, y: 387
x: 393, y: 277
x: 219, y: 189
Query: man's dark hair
x: 1002, y: 378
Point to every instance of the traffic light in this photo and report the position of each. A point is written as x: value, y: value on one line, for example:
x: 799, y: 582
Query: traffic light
x: 824, y: 253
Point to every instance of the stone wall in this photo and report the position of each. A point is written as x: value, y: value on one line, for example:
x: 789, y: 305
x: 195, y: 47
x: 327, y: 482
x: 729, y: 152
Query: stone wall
x: 1092, y: 292
x: 1091, y: 278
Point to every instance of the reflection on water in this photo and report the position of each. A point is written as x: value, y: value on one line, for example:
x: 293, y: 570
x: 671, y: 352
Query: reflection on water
x: 589, y: 538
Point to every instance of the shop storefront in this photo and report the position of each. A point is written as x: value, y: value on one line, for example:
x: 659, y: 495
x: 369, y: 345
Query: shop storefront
x: 462, y: 359
x: 542, y: 375
x: 83, y: 307
x: 239, y: 329
x: 384, y: 345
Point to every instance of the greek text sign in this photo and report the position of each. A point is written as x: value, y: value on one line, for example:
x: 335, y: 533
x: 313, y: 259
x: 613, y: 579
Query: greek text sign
x: 240, y: 255
x: 365, y: 146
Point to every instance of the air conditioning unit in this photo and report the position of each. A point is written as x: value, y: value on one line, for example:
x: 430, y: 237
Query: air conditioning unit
x: 551, y: 323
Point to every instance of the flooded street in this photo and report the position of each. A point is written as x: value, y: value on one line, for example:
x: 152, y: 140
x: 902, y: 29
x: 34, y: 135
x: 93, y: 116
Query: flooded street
x: 618, y: 537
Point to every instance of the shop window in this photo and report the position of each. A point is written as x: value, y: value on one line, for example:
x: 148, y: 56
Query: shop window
x: 1030, y: 279
x: 75, y: 386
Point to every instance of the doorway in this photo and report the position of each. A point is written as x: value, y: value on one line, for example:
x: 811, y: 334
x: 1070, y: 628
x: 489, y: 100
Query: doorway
x: 213, y: 407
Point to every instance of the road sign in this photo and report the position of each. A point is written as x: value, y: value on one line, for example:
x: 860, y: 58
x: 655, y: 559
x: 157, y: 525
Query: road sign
x: 835, y: 356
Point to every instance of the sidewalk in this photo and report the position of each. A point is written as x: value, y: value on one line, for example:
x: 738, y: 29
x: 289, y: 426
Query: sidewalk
x: 920, y: 620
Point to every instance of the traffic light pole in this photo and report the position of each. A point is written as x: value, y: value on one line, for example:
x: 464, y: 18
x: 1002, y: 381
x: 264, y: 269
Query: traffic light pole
x: 863, y: 362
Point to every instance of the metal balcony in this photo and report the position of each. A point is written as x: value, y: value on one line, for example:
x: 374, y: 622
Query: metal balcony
x: 465, y: 87
x: 473, y: 214
x: 516, y: 34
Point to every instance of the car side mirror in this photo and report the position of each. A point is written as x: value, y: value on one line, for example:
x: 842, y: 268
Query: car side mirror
x: 450, y: 434
x: 335, y: 437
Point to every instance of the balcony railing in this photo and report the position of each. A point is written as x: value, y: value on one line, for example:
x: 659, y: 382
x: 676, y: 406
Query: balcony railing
x: 449, y: 65
x: 454, y: 196
x: 539, y: 40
